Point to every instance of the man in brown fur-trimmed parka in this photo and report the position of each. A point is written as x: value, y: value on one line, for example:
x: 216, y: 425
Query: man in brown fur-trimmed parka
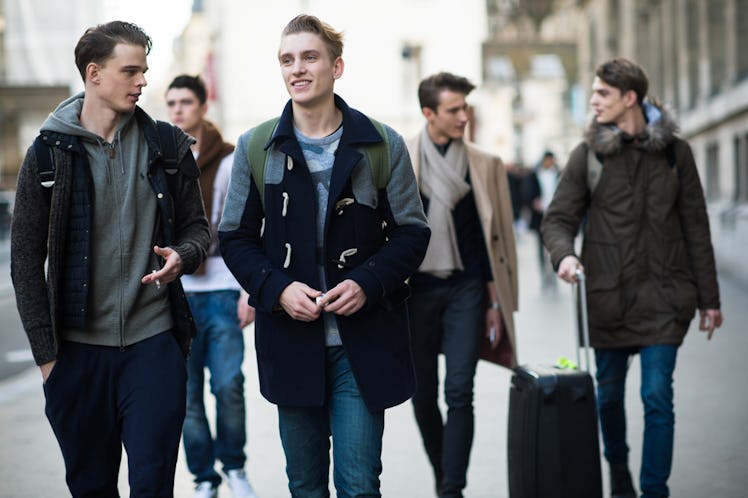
x: 647, y: 257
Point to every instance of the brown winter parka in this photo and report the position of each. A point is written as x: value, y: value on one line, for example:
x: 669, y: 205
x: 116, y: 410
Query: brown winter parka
x: 646, y: 249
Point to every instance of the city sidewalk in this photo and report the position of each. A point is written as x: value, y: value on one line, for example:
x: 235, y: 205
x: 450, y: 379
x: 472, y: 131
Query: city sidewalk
x: 710, y: 457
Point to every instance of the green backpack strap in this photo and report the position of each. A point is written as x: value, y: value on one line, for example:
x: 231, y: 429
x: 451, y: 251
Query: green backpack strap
x: 257, y: 154
x: 378, y: 155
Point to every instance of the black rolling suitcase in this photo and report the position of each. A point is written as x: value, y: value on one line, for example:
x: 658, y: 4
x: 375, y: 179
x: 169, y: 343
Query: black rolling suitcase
x: 553, y: 445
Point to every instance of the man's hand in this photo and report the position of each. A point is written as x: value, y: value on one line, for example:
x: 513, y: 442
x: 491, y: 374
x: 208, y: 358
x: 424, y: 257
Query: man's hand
x: 297, y: 299
x: 244, y: 312
x: 710, y: 320
x: 46, y: 369
x: 494, y: 327
x: 567, y: 269
x: 169, y: 272
x: 345, y: 299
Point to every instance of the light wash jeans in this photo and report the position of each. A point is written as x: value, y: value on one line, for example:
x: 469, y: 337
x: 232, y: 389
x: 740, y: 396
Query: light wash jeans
x: 356, y: 438
x: 219, y: 347
x: 657, y: 366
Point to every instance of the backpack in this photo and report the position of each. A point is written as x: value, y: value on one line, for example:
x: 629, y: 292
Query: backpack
x: 595, y: 166
x: 46, y: 162
x: 377, y: 154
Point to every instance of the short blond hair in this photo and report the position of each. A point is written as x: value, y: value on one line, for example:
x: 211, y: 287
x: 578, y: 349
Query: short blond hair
x: 310, y: 24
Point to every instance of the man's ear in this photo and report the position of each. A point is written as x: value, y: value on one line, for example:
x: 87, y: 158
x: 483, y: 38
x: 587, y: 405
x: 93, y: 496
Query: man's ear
x: 93, y: 72
x: 630, y: 98
x: 337, y: 68
x: 428, y: 113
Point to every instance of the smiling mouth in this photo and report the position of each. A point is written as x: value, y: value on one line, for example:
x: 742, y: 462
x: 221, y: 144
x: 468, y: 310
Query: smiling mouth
x: 300, y: 83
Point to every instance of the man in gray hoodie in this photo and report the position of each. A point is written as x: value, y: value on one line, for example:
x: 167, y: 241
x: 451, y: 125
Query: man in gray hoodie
x: 109, y: 326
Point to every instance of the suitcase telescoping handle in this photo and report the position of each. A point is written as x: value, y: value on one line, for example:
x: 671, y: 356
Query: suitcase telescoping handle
x: 583, y: 327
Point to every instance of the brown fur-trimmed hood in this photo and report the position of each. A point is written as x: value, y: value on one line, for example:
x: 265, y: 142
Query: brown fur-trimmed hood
x: 661, y: 128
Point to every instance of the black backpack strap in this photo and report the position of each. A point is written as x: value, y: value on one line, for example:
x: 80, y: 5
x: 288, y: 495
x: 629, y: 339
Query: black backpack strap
x: 45, y: 161
x: 168, y: 142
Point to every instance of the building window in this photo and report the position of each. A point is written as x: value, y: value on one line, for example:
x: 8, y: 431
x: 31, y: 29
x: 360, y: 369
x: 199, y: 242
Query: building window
x: 717, y: 46
x: 644, y: 41
x: 614, y: 15
x: 712, y: 171
x: 658, y: 55
x: 592, y: 43
x: 675, y: 53
x: 742, y: 33
x: 692, y: 48
x: 741, y: 169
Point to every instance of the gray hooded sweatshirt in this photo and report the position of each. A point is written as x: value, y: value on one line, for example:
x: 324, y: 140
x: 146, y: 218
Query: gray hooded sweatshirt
x: 123, y: 311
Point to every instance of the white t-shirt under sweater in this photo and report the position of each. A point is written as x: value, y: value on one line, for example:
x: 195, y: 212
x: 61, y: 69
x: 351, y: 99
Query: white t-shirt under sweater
x: 217, y: 275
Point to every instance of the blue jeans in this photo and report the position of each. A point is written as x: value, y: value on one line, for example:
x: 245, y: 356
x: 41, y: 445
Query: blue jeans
x: 657, y: 366
x: 356, y: 438
x: 219, y: 347
x: 446, y: 318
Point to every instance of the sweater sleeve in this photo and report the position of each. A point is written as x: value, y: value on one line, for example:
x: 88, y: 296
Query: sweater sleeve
x: 192, y: 230
x: 240, y: 235
x: 408, y: 232
x: 28, y: 253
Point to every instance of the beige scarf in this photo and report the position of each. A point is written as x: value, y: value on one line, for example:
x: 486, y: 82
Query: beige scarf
x: 443, y: 183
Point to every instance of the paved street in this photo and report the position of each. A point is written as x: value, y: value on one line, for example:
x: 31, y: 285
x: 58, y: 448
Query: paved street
x: 710, y: 457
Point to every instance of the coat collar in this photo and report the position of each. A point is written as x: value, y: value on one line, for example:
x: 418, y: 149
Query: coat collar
x: 357, y: 128
x: 609, y: 140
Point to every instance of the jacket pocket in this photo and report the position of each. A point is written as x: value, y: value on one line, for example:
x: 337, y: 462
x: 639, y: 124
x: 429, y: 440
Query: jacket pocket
x: 679, y: 286
x: 605, y: 303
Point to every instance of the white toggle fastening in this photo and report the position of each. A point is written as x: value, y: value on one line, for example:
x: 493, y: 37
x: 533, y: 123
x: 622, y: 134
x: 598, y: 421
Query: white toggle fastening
x: 289, y: 163
x: 346, y: 201
x: 287, y: 262
x: 285, y: 204
x: 345, y: 254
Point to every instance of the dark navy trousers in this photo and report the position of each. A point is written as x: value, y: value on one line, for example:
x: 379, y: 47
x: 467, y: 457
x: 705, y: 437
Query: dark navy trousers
x: 100, y: 398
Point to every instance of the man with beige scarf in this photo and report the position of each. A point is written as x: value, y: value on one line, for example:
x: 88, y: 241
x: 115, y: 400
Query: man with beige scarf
x: 465, y: 291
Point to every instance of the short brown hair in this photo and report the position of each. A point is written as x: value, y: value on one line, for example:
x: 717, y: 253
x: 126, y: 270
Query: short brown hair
x: 625, y: 75
x: 431, y: 87
x: 98, y: 42
x: 193, y: 83
x: 310, y: 24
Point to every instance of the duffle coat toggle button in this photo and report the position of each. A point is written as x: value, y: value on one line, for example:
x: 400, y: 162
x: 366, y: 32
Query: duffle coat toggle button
x: 287, y: 261
x: 285, y: 204
x: 345, y: 254
x: 346, y: 201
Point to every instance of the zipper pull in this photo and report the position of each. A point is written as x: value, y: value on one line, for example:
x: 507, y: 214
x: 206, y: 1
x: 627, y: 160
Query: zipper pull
x: 111, y: 151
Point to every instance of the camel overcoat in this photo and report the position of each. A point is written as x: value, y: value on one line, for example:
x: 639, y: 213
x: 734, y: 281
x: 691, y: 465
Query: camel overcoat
x: 490, y: 188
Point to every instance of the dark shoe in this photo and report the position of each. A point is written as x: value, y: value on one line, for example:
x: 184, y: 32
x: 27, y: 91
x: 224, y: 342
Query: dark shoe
x: 620, y: 481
